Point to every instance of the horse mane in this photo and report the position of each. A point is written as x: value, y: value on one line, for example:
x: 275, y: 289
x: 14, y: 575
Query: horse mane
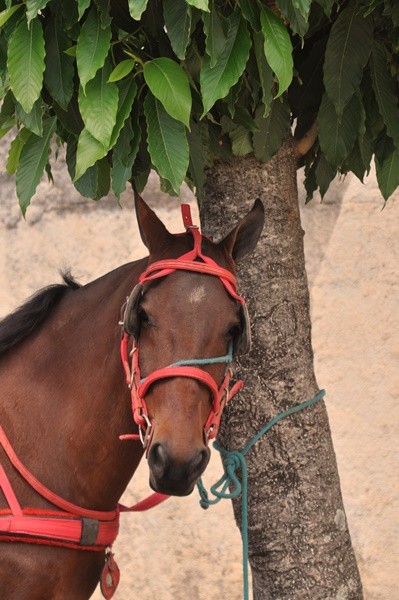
x: 18, y: 325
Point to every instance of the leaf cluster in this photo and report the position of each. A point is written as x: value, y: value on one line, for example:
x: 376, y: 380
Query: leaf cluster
x: 131, y: 85
x: 348, y: 83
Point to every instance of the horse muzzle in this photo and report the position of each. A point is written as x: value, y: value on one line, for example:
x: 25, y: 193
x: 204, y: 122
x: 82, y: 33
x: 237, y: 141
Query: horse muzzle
x: 175, y: 476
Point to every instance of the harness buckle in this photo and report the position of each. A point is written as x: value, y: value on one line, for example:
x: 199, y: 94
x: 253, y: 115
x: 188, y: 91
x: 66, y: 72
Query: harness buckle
x: 145, y: 434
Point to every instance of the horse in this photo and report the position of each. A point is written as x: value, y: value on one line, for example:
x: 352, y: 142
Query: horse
x: 85, y: 371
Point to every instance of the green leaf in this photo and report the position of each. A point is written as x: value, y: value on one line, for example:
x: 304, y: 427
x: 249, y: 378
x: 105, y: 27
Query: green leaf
x: 70, y: 118
x: 8, y: 12
x: 69, y: 13
x: 83, y: 5
x: 99, y: 105
x: 33, y: 7
x: 265, y: 73
x: 127, y: 93
x: 198, y: 141
x: 7, y: 113
x: 71, y: 51
x: 348, y: 50
x: 15, y: 150
x: 241, y: 142
x: 95, y: 183
x: 87, y: 185
x: 337, y: 133
x: 385, y: 92
x: 272, y: 129
x: 324, y: 175
x: 216, y: 29
x: 32, y: 120
x: 388, y: 173
x: 303, y: 6
x: 327, y: 6
x: 177, y: 15
x: 89, y: 152
x: 136, y: 8
x: 298, y: 22
x: 278, y: 48
x: 26, y: 63
x: 121, y: 70
x: 217, y: 81
x: 243, y: 117
x: 92, y: 47
x: 123, y: 157
x: 33, y: 159
x: 104, y: 6
x: 355, y: 163
x: 4, y: 129
x: 167, y: 142
x: 201, y: 4
x: 104, y: 178
x: 392, y: 11
x: 142, y: 165
x: 169, y: 84
x: 59, y: 73
x: 250, y: 11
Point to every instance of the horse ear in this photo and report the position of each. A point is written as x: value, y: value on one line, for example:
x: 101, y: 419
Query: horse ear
x: 152, y: 231
x: 243, y: 238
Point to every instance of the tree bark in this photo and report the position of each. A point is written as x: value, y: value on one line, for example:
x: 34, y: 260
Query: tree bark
x: 299, y: 543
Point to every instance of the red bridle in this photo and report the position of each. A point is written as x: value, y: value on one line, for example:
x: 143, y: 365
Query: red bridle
x: 220, y: 395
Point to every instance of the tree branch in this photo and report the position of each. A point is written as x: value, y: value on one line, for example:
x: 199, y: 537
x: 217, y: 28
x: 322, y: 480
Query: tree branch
x: 303, y: 145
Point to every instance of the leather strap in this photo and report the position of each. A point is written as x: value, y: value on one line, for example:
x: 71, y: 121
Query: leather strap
x: 48, y: 494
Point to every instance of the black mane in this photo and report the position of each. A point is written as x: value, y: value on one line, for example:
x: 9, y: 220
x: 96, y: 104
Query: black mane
x: 18, y: 325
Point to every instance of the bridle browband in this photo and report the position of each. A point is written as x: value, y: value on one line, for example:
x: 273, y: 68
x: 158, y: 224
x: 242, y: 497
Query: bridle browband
x: 192, y: 261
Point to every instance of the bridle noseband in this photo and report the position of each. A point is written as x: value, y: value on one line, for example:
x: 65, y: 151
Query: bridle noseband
x: 193, y: 261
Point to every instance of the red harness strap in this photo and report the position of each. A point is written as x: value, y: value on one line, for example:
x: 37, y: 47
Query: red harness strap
x: 73, y: 526
x: 76, y: 526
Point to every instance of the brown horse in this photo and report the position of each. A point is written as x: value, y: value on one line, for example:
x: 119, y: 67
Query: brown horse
x: 64, y: 401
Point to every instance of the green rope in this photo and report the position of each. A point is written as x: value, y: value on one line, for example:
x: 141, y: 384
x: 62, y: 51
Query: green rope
x: 233, y: 461
x: 226, y: 358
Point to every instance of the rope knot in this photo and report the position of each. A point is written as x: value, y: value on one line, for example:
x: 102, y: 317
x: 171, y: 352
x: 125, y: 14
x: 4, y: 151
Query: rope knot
x: 232, y: 461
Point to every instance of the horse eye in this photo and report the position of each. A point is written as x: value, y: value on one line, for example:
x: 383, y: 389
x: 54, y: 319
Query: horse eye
x: 144, y: 318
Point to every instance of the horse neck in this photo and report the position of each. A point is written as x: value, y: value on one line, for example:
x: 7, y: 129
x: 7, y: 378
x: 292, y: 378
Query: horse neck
x: 77, y: 403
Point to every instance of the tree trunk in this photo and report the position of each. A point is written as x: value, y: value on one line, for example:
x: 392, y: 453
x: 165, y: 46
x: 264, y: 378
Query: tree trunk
x: 299, y: 543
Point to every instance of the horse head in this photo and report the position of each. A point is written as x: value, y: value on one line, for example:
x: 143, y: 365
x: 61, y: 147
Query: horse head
x: 186, y: 324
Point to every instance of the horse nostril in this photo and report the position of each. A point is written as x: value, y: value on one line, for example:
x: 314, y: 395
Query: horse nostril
x: 200, y: 460
x: 157, y: 459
